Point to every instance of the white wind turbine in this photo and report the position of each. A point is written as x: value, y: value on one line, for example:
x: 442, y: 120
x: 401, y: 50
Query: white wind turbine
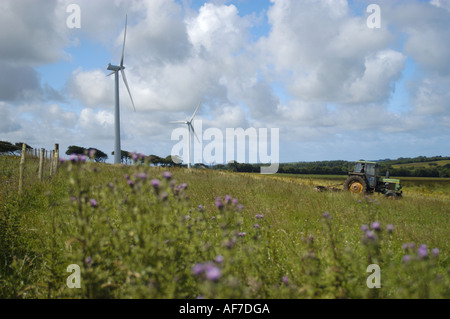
x: 190, y: 127
x: 115, y: 70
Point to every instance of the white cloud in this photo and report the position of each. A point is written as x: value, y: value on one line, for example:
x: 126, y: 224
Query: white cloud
x: 92, y: 88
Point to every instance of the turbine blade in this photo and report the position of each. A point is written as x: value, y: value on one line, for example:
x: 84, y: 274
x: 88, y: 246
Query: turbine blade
x: 124, y: 38
x: 193, y: 131
x: 178, y: 122
x: 126, y: 84
x: 195, y: 112
x: 111, y: 73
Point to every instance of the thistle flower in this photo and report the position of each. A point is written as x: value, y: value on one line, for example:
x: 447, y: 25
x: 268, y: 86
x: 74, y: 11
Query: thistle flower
x: 326, y: 215
x: 167, y: 175
x: 422, y: 251
x: 141, y: 175
x: 197, y: 269
x: 375, y: 226
x: 219, y: 203
x: 212, y: 273
x: 219, y: 259
x: 259, y: 216
x: 285, y: 280
x: 435, y: 252
x: 406, y: 258
x: 93, y: 203
x: 155, y: 183
x: 241, y: 234
x: 227, y: 199
x: 390, y: 228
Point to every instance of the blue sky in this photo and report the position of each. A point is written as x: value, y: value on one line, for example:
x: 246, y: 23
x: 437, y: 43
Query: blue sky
x: 334, y: 88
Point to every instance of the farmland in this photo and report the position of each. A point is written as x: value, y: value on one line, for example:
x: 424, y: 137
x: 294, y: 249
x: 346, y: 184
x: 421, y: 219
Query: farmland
x: 148, y: 232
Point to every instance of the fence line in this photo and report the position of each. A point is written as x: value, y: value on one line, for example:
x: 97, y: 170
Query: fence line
x: 49, y: 156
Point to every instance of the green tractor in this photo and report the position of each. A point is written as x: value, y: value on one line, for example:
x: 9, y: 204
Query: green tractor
x: 364, y: 180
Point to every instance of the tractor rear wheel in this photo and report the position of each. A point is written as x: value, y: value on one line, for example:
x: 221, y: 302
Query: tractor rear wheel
x: 356, y: 185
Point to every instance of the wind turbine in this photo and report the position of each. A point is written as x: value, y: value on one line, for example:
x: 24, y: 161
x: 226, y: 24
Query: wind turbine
x: 115, y: 70
x: 190, y: 127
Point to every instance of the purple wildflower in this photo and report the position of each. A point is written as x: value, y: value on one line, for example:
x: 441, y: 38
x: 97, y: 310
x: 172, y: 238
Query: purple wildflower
x: 241, y: 234
x: 435, y: 252
x: 370, y: 235
x: 212, y: 273
x: 200, y: 208
x: 167, y: 175
x: 422, y: 251
x: 259, y: 216
x: 256, y: 226
x: 240, y: 207
x: 227, y: 199
x: 219, y: 203
x: 406, y: 258
x: 140, y: 175
x: 93, y: 203
x: 364, y: 228
x: 375, y: 226
x: 73, y: 158
x: 89, y: 261
x: 197, y: 269
x: 219, y: 259
x: 155, y: 183
x: 326, y: 215
x: 285, y: 280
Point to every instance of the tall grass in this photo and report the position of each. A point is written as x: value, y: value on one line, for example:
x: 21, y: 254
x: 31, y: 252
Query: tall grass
x: 144, y: 232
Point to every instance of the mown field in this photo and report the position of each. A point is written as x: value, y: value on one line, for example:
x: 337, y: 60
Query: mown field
x: 149, y: 232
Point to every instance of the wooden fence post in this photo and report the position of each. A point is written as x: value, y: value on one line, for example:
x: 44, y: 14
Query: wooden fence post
x: 56, y: 158
x: 21, y: 166
x: 51, y: 163
x: 41, y: 163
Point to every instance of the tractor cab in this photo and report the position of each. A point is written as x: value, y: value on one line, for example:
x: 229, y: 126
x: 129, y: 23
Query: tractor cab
x: 368, y: 170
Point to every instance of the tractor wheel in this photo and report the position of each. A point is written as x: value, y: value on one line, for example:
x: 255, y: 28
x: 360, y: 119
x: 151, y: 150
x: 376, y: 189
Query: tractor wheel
x: 356, y: 185
x: 390, y: 195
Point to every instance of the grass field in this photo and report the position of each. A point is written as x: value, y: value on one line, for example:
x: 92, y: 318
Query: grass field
x: 147, y: 232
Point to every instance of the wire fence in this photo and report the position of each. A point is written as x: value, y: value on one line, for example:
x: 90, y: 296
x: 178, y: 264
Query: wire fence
x: 48, y: 160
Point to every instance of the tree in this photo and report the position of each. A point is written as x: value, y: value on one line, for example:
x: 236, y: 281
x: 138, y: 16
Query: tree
x: 7, y: 147
x: 98, y: 155
x: 76, y: 150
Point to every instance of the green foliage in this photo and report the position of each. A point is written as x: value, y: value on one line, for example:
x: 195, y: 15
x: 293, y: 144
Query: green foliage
x: 149, y: 232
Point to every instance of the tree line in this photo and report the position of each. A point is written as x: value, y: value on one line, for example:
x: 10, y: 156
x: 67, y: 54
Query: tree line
x: 337, y: 167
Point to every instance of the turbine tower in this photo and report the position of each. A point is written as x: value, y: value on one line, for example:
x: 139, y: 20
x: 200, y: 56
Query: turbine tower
x: 190, y: 127
x: 115, y: 70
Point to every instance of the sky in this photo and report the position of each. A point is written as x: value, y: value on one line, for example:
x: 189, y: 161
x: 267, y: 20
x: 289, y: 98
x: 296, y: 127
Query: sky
x: 335, y: 86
